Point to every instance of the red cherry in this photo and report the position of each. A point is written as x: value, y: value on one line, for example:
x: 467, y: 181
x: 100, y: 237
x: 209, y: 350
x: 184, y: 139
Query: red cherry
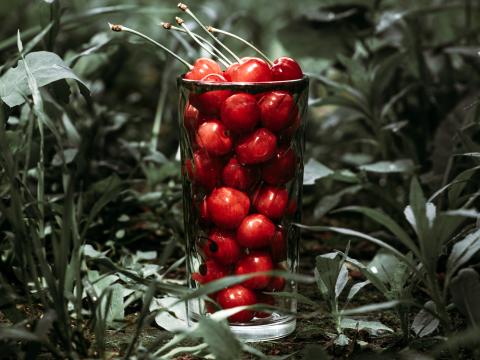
x: 266, y: 300
x: 228, y: 207
x: 288, y: 134
x: 203, y: 209
x: 230, y: 70
x: 240, y: 112
x: 280, y: 168
x: 292, y: 207
x: 255, y: 231
x: 209, y: 271
x: 213, y: 138
x: 285, y: 68
x: 271, y: 201
x: 238, y: 176
x: 237, y: 295
x: 278, y: 245
x: 252, y: 70
x: 209, y: 102
x: 278, y: 110
x: 190, y: 118
x: 257, y: 147
x: 256, y: 261
x: 222, y: 247
x: 203, y: 67
x: 277, y: 283
x: 205, y: 170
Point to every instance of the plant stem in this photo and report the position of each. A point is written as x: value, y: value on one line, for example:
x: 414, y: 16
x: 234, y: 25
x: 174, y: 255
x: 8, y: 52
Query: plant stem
x: 197, y: 38
x: 185, y: 8
x: 202, y: 45
x: 119, y: 28
x: 249, y: 44
x: 157, y: 122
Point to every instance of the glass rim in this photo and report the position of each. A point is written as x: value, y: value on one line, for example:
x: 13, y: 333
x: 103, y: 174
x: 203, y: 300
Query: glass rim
x: 198, y: 85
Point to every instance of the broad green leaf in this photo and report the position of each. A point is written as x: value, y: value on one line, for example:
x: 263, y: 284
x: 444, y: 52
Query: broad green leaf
x: 385, y: 220
x: 463, y: 251
x: 350, y: 232
x: 293, y: 295
x: 389, y: 269
x: 222, y: 343
x: 356, y: 288
x: 458, y: 185
x: 424, y: 322
x: 418, y: 206
x: 46, y: 68
x: 67, y: 157
x: 329, y: 202
x: 372, y: 327
x: 389, y: 167
x: 341, y: 280
x: 117, y: 307
x: 465, y: 291
x: 314, y: 171
x: 327, y: 271
x: 173, y: 320
x: 371, y: 308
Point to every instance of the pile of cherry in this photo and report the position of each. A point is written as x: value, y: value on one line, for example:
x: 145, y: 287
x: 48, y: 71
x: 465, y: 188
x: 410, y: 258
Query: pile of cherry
x: 241, y: 163
x: 242, y: 160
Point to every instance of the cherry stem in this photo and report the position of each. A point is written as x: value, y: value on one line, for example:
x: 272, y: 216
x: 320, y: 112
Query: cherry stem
x: 169, y: 26
x: 185, y: 8
x: 261, y: 53
x: 119, y: 28
x: 202, y: 45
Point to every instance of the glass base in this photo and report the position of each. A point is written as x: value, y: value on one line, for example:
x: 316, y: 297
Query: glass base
x: 284, y: 326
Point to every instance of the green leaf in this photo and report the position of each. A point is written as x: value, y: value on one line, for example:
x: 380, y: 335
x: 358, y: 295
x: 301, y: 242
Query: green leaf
x: 371, y: 308
x: 46, y: 68
x: 465, y: 290
x: 356, y: 288
x: 424, y: 322
x: 385, y: 220
x: 331, y: 275
x: 389, y: 167
x: 350, y: 232
x: 418, y: 206
x: 293, y: 295
x: 116, y: 308
x: 222, y: 343
x: 458, y: 185
x: 314, y: 171
x: 388, y: 268
x: 372, y: 327
x: 463, y: 251
x: 329, y: 202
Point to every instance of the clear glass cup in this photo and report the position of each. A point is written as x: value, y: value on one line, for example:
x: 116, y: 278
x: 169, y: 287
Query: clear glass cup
x: 223, y: 147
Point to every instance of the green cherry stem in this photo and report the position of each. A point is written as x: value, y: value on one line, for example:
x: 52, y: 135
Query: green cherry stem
x: 202, y: 45
x: 185, y: 8
x: 119, y: 28
x: 261, y: 53
x: 218, y: 53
